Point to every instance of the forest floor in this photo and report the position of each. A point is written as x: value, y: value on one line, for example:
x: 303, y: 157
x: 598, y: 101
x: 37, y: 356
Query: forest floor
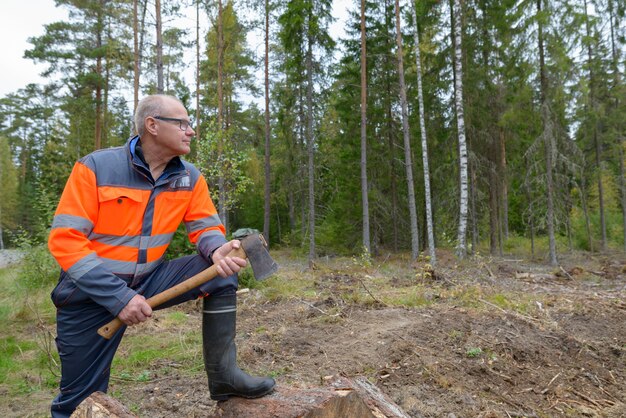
x: 486, y: 337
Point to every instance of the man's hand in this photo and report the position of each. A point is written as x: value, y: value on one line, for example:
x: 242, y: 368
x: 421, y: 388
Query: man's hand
x: 136, y: 310
x: 227, y: 266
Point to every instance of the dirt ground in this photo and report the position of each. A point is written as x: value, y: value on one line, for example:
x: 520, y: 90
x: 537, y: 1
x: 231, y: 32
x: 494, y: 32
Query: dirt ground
x: 557, y: 347
x: 566, y: 356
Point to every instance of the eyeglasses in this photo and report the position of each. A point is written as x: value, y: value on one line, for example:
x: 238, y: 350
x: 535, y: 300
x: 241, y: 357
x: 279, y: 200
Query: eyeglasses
x: 182, y: 123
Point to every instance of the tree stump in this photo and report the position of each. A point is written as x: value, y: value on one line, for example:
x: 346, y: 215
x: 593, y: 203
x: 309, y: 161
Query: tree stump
x: 101, y: 405
x: 343, y: 398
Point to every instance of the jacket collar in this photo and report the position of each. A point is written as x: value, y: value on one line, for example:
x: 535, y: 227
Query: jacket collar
x: 174, y: 166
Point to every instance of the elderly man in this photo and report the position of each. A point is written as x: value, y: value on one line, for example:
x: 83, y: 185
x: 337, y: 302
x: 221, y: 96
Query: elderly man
x: 116, y: 217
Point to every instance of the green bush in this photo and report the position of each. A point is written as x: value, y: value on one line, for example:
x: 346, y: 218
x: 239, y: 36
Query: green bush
x: 38, y: 269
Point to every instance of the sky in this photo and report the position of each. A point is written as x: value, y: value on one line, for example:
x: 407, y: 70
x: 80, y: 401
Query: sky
x: 22, y: 19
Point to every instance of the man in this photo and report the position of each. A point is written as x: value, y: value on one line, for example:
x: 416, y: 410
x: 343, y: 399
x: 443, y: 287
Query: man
x: 116, y: 217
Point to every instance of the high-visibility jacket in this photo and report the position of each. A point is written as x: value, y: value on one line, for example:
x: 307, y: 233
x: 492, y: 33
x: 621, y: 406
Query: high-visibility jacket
x: 114, y: 222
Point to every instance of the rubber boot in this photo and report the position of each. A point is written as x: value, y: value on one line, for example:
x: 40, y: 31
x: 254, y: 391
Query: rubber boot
x: 220, y: 353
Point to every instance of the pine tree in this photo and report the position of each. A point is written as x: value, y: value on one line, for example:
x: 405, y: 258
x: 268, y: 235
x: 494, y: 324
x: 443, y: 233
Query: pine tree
x: 427, y: 194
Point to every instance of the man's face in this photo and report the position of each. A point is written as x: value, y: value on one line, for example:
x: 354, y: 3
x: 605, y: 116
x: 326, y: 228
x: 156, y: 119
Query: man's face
x: 172, y: 140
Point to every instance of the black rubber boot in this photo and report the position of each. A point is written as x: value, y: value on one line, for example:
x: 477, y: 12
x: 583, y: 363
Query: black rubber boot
x: 220, y: 353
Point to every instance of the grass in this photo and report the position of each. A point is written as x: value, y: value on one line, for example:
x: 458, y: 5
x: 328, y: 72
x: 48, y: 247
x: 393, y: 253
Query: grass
x: 27, y: 359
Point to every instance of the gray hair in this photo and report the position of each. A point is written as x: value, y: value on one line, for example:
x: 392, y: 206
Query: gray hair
x: 150, y: 106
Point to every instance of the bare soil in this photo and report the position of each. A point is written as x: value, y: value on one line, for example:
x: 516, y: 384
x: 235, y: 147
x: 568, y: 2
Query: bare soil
x: 495, y: 338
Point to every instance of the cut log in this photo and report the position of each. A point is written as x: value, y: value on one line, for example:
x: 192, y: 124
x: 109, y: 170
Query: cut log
x: 535, y: 276
x: 342, y: 398
x: 101, y: 405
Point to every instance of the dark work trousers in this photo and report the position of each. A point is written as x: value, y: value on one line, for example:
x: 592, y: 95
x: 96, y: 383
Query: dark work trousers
x: 86, y: 356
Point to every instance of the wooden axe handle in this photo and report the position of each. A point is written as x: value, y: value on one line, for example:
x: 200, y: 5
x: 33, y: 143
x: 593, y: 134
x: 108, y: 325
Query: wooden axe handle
x: 204, y: 276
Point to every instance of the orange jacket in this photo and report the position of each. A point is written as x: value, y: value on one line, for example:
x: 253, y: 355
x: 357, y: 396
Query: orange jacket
x: 114, y: 223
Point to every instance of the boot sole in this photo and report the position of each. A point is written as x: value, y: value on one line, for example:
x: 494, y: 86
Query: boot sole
x: 226, y: 396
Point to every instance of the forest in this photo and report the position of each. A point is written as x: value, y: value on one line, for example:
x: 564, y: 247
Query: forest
x: 476, y: 125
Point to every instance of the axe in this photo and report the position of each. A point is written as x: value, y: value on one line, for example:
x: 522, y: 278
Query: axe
x: 253, y: 247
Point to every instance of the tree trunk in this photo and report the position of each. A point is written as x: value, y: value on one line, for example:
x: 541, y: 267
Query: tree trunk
x: 583, y: 203
x: 266, y: 211
x: 135, y: 56
x: 98, y: 128
x: 620, y: 137
x: 493, y: 207
x: 596, y: 139
x: 393, y: 179
x: 461, y: 249
x: 548, y: 141
x: 504, y: 187
x: 220, y: 113
x: 197, y: 121
x: 364, y: 189
x: 622, y: 176
x: 105, y: 100
x: 142, y: 34
x: 472, y: 209
x: 309, y: 139
x: 159, y: 47
x: 427, y: 197
x: 101, y: 405
x: 407, y: 140
x: 531, y: 218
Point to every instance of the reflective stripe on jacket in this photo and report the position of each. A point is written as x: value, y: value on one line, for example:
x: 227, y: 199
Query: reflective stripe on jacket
x: 113, y: 221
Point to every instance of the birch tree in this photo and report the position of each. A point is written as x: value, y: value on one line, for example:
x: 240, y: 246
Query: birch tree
x: 461, y: 249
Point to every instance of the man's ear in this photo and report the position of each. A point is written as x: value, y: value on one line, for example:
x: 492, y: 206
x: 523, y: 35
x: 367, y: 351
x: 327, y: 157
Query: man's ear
x: 151, y: 125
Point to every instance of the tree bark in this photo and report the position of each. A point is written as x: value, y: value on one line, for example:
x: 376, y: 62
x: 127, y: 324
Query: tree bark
x: 504, y: 187
x: 391, y: 143
x: 596, y: 138
x: 461, y: 249
x: 135, y: 56
x: 364, y: 189
x: 548, y: 140
x: 98, y: 128
x: 221, y: 202
x: 427, y: 196
x: 407, y: 140
x: 472, y: 208
x: 142, y: 34
x: 266, y: 207
x: 197, y: 121
x: 159, y: 46
x: 620, y: 138
x: 531, y: 219
x: 583, y: 203
x: 309, y: 139
x: 101, y: 405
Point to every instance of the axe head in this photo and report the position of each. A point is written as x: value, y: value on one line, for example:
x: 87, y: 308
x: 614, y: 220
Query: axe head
x: 262, y: 263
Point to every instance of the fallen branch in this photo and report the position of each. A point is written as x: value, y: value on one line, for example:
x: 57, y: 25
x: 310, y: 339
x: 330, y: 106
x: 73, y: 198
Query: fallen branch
x: 321, y: 310
x: 370, y: 293
x: 517, y: 314
x: 543, y: 392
